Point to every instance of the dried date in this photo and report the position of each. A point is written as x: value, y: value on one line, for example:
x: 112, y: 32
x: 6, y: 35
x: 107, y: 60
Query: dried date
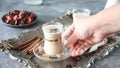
x: 18, y: 17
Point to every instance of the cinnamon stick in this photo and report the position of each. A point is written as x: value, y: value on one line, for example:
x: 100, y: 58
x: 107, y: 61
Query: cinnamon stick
x: 23, y: 47
x: 39, y: 43
x: 25, y: 44
x: 31, y: 46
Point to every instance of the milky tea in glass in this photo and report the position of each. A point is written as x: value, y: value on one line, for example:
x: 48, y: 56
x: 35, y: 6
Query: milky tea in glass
x: 52, y: 35
x: 80, y: 13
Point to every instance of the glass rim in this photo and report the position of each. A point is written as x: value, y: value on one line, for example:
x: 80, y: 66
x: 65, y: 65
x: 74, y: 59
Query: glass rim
x: 52, y: 23
x: 81, y: 10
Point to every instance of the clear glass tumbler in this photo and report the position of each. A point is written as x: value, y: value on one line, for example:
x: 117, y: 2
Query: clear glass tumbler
x: 52, y: 35
x: 80, y: 13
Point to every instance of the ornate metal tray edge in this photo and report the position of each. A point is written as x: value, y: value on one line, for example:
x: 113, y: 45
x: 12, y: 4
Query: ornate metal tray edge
x: 31, y: 61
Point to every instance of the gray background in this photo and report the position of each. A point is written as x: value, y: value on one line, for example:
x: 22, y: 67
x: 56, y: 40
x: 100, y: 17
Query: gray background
x: 46, y: 12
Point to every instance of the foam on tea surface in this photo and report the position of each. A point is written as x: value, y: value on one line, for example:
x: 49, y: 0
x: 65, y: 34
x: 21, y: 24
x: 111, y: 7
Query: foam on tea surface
x: 52, y: 29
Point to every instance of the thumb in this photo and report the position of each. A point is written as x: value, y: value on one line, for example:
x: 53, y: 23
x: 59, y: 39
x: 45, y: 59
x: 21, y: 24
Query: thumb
x: 68, y: 32
x: 72, y: 40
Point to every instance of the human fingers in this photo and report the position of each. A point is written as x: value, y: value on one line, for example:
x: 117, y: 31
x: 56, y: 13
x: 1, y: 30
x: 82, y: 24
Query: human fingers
x: 73, y: 51
x: 86, y: 44
x: 72, y: 40
x: 83, y: 47
x: 68, y: 32
x: 75, y: 48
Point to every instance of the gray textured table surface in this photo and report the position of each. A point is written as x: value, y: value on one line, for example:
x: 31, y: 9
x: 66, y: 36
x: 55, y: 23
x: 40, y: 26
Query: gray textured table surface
x: 49, y: 10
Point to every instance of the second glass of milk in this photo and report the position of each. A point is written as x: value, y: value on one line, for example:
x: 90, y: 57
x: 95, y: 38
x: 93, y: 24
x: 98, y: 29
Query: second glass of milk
x: 52, y: 35
x: 80, y: 13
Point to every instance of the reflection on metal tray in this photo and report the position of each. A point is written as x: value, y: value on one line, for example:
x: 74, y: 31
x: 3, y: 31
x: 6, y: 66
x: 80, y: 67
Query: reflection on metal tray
x: 31, y: 61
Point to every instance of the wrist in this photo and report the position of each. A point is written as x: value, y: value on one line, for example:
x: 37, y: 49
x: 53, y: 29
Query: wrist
x: 99, y: 24
x: 106, y: 24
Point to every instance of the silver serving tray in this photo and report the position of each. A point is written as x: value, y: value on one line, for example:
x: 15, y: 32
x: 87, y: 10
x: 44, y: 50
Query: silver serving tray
x: 31, y: 61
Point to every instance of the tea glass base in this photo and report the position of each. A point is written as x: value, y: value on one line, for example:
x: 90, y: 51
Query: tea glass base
x: 50, y: 59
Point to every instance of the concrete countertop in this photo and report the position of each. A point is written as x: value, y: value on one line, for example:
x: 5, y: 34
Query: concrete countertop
x: 46, y: 12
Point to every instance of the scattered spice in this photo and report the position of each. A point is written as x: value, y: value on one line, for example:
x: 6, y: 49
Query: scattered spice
x: 61, y: 55
x: 111, y: 38
x: 45, y: 56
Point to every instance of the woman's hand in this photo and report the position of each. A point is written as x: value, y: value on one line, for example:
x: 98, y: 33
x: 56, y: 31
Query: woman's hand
x: 82, y: 34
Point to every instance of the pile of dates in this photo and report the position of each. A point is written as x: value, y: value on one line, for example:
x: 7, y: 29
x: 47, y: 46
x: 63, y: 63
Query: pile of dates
x: 18, y: 17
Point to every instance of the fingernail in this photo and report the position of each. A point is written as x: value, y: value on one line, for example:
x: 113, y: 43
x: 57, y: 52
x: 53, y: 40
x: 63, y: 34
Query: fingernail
x: 67, y: 46
x: 65, y: 42
x: 81, y: 51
